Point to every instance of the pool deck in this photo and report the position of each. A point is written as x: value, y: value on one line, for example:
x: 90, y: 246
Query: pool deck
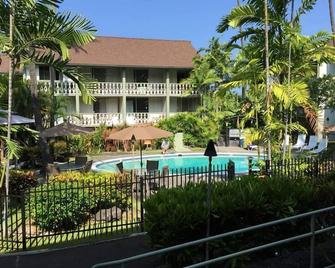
x: 115, y: 155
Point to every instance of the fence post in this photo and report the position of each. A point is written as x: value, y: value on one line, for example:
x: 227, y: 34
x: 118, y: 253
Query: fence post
x: 141, y: 200
x: 23, y: 215
x: 250, y: 165
x: 267, y: 167
x: 316, y: 168
x: 312, y: 242
x: 231, y: 170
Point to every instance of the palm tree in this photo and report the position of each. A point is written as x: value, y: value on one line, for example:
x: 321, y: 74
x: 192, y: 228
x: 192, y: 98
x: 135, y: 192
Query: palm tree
x: 331, y: 16
x: 40, y: 36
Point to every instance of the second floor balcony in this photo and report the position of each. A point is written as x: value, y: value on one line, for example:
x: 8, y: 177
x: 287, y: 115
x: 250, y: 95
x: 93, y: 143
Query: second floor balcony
x: 118, y: 89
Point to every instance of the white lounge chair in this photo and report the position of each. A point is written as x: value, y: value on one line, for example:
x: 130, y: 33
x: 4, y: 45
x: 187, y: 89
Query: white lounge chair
x: 300, y: 142
x: 323, y: 144
x: 313, y: 142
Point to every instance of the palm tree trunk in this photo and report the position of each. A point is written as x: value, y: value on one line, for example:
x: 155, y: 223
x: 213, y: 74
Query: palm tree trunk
x: 43, y: 145
x: 267, y: 67
x: 241, y: 42
x: 53, y: 102
x: 289, y: 87
x: 10, y: 95
x: 331, y: 16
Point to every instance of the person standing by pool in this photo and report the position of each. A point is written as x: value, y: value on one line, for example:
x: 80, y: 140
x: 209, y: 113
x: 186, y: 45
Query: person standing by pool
x: 165, y: 146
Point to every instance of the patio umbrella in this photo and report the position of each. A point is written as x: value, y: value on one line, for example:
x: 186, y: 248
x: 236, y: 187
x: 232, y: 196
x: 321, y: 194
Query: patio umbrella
x: 140, y: 133
x: 16, y: 119
x: 64, y: 129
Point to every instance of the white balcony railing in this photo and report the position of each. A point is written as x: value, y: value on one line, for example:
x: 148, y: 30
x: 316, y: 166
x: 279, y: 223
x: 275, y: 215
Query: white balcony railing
x: 143, y: 118
x: 146, y: 89
x: 96, y: 119
x: 177, y: 89
x: 114, y: 119
x: 107, y: 88
x: 68, y: 88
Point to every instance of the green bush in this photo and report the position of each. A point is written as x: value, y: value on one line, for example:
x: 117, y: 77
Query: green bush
x: 58, y: 206
x: 59, y: 149
x: 178, y: 215
x: 196, y: 132
x: 89, y: 143
x: 20, y: 180
x: 71, y: 197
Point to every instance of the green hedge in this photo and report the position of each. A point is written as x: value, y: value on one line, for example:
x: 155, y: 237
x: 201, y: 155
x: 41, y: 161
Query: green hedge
x: 174, y: 216
x: 71, y: 198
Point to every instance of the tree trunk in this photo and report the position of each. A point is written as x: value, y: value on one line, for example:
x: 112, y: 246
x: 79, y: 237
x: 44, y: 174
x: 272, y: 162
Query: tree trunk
x: 43, y: 145
x: 331, y: 15
x: 267, y: 67
x: 53, y: 102
x: 10, y: 95
x: 241, y: 42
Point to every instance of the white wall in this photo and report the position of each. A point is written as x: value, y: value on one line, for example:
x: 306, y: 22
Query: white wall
x: 173, y: 105
x: 85, y: 108
x: 156, y: 105
x: 112, y: 105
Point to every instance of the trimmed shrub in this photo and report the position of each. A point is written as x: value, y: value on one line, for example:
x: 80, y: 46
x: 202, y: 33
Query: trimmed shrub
x: 71, y: 197
x: 59, y: 206
x: 178, y: 215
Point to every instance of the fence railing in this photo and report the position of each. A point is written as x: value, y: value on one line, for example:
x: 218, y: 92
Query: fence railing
x: 310, y: 216
x: 59, y: 212
x: 65, y: 211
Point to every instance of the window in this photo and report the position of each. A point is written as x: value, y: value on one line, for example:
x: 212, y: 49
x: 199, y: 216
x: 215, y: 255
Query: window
x: 141, y: 76
x: 181, y: 75
x: 99, y: 74
x: 44, y: 72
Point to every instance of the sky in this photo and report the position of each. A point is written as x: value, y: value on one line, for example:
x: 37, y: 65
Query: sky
x: 193, y: 20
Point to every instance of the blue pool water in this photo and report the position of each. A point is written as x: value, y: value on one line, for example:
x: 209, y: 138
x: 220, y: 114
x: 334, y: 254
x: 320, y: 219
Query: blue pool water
x: 175, y: 162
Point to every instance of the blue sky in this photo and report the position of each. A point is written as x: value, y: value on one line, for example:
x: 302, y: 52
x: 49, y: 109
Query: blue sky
x: 193, y: 20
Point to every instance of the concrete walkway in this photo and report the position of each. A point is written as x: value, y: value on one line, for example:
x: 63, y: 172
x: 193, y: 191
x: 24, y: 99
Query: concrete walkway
x: 114, y: 155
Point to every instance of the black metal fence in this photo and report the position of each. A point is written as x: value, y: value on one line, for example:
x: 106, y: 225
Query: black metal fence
x: 61, y: 212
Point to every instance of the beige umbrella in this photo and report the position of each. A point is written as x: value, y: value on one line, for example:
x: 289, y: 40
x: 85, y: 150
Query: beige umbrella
x: 140, y: 133
x: 64, y: 129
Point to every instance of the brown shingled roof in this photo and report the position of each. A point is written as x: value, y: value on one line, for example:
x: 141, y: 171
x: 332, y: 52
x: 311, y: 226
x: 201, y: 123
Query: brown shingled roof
x: 132, y: 52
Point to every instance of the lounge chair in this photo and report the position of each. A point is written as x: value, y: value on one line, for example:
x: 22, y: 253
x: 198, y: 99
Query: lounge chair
x: 313, y: 142
x: 125, y: 171
x: 179, y: 143
x: 152, y: 171
x: 80, y: 160
x: 322, y: 146
x: 300, y: 142
x: 88, y: 166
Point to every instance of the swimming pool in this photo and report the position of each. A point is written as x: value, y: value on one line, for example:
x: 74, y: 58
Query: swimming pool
x: 177, y: 162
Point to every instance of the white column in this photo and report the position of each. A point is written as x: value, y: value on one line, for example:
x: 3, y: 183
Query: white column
x: 167, y: 93
x: 124, y: 97
x: 77, y: 101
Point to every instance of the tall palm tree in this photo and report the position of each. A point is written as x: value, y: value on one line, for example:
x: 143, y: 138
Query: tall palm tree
x: 267, y: 69
x: 40, y: 36
x: 331, y: 16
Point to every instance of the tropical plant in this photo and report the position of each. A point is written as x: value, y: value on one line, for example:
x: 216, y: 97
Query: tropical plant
x: 40, y: 36
x: 291, y: 63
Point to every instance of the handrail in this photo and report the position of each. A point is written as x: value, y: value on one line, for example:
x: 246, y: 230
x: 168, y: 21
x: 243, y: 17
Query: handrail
x: 223, y: 235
